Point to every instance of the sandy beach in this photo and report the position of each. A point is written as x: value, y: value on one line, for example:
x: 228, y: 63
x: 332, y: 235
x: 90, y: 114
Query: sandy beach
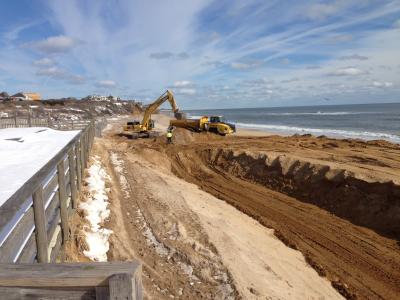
x: 255, y: 215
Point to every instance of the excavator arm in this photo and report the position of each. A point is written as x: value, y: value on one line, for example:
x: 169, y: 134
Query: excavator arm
x: 156, y: 104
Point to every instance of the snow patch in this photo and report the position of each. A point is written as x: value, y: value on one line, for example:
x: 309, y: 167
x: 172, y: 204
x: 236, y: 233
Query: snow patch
x: 23, y: 151
x: 96, y: 212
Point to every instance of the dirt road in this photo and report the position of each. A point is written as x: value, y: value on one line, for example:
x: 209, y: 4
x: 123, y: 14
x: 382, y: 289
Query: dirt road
x: 336, y: 202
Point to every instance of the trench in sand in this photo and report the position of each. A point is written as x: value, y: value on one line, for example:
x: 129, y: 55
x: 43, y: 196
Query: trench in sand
x: 324, y: 212
x: 338, y: 220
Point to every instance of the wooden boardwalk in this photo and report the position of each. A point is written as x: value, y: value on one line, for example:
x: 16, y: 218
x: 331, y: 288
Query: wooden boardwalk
x: 116, y: 281
x: 34, y: 227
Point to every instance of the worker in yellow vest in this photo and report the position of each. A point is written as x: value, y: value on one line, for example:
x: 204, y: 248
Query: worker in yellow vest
x: 169, y: 136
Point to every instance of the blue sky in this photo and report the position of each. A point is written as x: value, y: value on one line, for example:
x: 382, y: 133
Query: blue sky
x: 210, y: 53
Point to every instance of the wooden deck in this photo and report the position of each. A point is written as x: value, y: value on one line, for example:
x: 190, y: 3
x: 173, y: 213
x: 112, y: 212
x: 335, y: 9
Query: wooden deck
x: 34, y: 226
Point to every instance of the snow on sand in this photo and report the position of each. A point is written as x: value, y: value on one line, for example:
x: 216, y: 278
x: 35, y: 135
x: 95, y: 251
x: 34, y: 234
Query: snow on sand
x: 96, y: 212
x: 23, y: 151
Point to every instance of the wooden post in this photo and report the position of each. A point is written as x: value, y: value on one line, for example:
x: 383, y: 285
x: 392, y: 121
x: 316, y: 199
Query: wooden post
x: 78, y: 166
x: 123, y: 287
x: 40, y: 226
x: 81, y: 153
x: 70, y: 280
x: 29, y: 118
x: 87, y: 143
x: 48, y: 120
x: 15, y: 118
x: 63, y: 200
x: 72, y: 178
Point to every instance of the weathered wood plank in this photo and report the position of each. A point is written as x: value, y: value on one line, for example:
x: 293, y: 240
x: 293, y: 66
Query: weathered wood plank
x: 65, y: 274
x: 52, y: 209
x: 72, y: 179
x: 51, y: 227
x: 17, y: 238
x: 78, y: 166
x: 67, y: 177
x: 55, y: 251
x: 50, y: 188
x: 66, y: 164
x: 122, y: 287
x: 16, y: 201
x: 29, y: 253
x: 102, y: 293
x: 68, y: 193
x: 81, y: 151
x: 63, y: 200
x: 40, y: 225
x: 82, y: 143
x: 10, y: 293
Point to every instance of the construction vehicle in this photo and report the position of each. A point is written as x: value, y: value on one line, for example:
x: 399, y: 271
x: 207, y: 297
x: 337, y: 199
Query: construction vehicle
x: 136, y: 129
x: 216, y: 124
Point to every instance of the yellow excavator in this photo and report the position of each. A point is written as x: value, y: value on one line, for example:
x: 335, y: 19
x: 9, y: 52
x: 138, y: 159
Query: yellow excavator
x: 136, y: 129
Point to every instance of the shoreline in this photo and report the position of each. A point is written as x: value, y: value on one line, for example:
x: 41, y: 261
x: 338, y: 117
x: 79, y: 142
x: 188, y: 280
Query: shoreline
x: 254, y: 132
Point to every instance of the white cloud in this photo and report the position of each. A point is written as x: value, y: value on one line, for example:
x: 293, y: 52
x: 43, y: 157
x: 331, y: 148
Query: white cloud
x: 382, y: 84
x: 55, y: 44
x: 353, y: 57
x: 396, y: 24
x: 321, y: 11
x: 245, y: 65
x: 51, y: 71
x: 169, y: 55
x: 339, y: 38
x: 59, y: 74
x: 44, y: 62
x: 185, y: 91
x: 294, y: 79
x: 161, y: 55
x: 182, y: 83
x: 15, y: 32
x: 348, y: 71
x: 106, y: 84
x: 76, y: 79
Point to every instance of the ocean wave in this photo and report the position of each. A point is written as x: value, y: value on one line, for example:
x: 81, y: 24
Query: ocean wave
x: 365, y: 135
x: 319, y: 113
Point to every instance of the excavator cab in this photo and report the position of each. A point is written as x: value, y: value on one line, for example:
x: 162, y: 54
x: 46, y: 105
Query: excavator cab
x: 145, y: 128
x: 151, y: 125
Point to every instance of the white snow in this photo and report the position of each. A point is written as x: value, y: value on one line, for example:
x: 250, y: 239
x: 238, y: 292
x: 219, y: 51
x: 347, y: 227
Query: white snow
x: 96, y: 212
x: 23, y: 151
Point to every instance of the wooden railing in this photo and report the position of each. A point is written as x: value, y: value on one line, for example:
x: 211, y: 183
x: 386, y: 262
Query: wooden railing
x: 28, y: 121
x: 34, y: 227
x: 114, y: 281
x: 34, y: 220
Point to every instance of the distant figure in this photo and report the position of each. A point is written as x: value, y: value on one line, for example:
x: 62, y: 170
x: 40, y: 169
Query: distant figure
x: 169, y: 136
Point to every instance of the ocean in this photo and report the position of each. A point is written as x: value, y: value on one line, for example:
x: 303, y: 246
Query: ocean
x: 363, y: 121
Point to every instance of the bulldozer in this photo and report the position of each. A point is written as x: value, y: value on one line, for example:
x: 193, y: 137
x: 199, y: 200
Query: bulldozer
x: 144, y: 129
x: 215, y: 124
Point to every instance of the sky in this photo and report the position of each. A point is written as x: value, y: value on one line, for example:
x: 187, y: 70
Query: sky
x: 211, y: 54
